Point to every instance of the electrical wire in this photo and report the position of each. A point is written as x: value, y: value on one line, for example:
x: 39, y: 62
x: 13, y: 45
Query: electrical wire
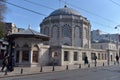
x: 39, y: 4
x: 89, y: 12
x: 24, y: 8
x: 115, y: 2
x: 71, y: 5
x: 54, y: 9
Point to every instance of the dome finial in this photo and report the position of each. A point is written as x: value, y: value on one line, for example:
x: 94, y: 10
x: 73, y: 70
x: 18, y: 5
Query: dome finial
x: 65, y: 5
x: 29, y: 27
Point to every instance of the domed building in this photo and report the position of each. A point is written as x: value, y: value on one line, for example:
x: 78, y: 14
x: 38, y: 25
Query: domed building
x: 66, y: 26
x: 65, y: 39
x: 70, y: 38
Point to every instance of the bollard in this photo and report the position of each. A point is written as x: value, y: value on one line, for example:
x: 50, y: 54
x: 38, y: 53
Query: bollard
x: 21, y: 70
x: 41, y: 69
x: 88, y: 65
x: 79, y: 65
x: 114, y: 63
x: 53, y: 69
x: 6, y: 72
x: 95, y: 64
x: 103, y: 64
x: 66, y: 67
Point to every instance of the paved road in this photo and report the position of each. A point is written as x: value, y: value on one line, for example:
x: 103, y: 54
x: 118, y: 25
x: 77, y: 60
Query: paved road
x: 101, y: 73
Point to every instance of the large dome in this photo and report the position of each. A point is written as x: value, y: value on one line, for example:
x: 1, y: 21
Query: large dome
x: 64, y: 11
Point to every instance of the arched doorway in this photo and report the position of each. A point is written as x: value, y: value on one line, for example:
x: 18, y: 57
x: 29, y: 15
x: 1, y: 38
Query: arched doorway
x: 35, y: 55
x: 55, y: 57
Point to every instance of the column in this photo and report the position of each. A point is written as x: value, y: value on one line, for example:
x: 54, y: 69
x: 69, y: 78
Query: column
x: 71, y: 57
x: 30, y: 56
x: 20, y: 57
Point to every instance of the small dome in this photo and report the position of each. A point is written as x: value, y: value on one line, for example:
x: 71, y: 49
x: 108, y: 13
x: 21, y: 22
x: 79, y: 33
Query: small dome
x: 65, y: 11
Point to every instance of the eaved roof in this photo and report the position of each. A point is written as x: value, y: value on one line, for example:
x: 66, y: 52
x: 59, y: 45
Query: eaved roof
x: 29, y: 33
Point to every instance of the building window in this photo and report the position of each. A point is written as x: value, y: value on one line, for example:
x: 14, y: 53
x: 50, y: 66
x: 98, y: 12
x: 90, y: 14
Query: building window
x: 17, y: 56
x: 102, y: 56
x: 98, y: 56
x: 75, y: 56
x: 105, y: 56
x: 93, y: 56
x: 35, y: 56
x: 25, y: 56
x: 46, y: 31
x: 66, y: 31
x: 55, y: 32
x: 83, y: 55
x: 66, y: 56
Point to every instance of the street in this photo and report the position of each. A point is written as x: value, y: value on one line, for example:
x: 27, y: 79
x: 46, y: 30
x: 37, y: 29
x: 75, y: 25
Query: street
x: 98, y: 73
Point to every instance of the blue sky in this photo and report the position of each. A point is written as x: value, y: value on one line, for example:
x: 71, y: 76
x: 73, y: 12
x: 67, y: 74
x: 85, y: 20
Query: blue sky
x: 102, y: 14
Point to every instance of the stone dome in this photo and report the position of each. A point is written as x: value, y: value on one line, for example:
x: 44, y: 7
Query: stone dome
x: 65, y: 11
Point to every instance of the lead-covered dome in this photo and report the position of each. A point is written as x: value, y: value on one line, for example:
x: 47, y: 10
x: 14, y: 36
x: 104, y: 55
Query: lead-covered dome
x: 65, y: 11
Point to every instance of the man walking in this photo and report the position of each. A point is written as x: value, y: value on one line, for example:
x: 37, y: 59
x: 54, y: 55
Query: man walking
x: 95, y: 58
x: 4, y: 63
x: 117, y: 59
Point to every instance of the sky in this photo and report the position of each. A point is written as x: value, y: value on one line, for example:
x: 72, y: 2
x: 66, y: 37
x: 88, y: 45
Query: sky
x: 102, y: 14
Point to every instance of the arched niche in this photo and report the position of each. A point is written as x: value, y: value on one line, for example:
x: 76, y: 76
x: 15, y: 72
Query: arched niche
x: 35, y: 55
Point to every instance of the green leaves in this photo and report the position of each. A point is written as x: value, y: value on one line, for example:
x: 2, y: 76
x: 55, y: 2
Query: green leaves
x: 3, y: 31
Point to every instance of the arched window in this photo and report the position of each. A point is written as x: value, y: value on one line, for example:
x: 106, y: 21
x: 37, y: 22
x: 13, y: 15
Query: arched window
x: 77, y: 38
x: 46, y: 31
x: 55, y: 31
x: 77, y: 32
x: 35, y: 54
x: 66, y: 31
x: 25, y: 53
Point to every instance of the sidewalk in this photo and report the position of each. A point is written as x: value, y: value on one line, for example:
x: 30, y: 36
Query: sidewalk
x: 20, y: 71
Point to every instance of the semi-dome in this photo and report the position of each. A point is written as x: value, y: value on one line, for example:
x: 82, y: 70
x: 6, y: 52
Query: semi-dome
x: 65, y: 11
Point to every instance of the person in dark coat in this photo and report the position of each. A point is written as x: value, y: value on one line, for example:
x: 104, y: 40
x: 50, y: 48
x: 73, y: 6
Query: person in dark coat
x: 5, y: 63
x: 11, y: 63
x: 117, y: 59
x: 95, y: 58
x: 86, y: 60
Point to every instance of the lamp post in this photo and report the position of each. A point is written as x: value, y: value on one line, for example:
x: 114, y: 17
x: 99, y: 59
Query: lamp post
x: 11, y: 49
x: 108, y: 62
x: 117, y: 45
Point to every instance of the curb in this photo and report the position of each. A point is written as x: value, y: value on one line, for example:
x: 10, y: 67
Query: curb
x: 17, y: 75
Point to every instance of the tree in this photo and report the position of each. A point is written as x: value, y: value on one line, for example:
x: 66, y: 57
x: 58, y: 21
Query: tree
x: 2, y: 10
x: 3, y: 30
x: 2, y: 25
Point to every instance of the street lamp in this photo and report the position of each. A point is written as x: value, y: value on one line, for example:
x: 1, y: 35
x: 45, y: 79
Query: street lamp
x: 116, y: 27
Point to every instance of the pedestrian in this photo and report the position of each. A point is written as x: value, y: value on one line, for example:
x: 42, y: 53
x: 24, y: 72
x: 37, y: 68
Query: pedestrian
x: 11, y: 63
x: 86, y: 60
x: 95, y: 58
x: 4, y: 63
x: 117, y: 59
